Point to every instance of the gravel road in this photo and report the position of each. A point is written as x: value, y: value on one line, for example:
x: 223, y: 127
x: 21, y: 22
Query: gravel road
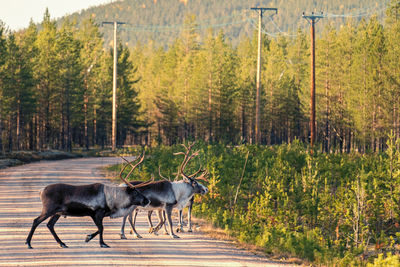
x: 20, y: 204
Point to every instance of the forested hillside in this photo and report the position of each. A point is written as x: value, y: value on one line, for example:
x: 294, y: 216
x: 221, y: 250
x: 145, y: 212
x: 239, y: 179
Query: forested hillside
x: 162, y: 20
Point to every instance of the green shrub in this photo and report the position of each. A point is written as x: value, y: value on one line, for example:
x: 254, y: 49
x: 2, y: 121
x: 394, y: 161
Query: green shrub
x: 325, y: 208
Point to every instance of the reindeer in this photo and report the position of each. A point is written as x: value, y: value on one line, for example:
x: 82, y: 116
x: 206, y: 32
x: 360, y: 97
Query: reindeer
x: 95, y: 200
x: 182, y: 191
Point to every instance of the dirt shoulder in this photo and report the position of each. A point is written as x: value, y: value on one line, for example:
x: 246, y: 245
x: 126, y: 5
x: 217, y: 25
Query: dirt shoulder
x: 22, y: 157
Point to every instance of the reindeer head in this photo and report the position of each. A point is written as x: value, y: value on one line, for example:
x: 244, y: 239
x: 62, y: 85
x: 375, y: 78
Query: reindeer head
x: 192, y: 179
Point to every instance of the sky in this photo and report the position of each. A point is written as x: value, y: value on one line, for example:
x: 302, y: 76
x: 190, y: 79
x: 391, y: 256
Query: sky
x: 16, y: 14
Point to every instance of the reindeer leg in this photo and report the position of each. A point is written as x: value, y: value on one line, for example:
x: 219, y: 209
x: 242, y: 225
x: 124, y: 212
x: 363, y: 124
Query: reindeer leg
x: 122, y: 234
x: 50, y: 225
x: 161, y: 219
x: 168, y: 211
x: 180, y: 223
x: 190, y: 215
x: 133, y: 224
x: 98, y: 220
x: 35, y: 224
x: 99, y: 216
x: 161, y: 222
x: 162, y: 214
x: 149, y: 213
x: 91, y: 236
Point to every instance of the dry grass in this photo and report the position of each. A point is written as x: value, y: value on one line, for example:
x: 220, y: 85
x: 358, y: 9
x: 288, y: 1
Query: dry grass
x: 208, y: 229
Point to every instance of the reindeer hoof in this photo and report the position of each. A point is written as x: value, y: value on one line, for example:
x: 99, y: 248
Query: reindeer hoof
x: 88, y: 238
x: 104, y: 245
x: 29, y: 245
x: 138, y: 236
x: 122, y: 236
x: 190, y: 230
x: 175, y: 236
x: 179, y: 229
x: 151, y: 230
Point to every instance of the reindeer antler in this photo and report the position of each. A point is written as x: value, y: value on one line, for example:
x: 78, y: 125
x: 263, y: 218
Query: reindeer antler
x: 203, y: 176
x: 133, y: 168
x: 159, y: 173
x: 186, y: 159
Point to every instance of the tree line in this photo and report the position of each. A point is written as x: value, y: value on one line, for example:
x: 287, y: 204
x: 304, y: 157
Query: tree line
x: 55, y: 87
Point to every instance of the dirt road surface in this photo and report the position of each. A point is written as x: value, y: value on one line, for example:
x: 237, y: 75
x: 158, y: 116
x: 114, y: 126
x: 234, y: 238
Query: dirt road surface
x: 20, y: 204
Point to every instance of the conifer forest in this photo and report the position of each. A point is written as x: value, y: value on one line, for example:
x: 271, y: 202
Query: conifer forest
x: 339, y: 205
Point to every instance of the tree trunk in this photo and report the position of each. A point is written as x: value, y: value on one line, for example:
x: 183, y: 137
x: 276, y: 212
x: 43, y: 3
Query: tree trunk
x: 244, y: 132
x: 210, y: 125
x: 1, y: 131
x: 10, y: 141
x: 327, y: 125
x: 95, y: 141
x: 62, y: 129
x: 85, y: 107
x: 69, y: 134
x: 18, y: 133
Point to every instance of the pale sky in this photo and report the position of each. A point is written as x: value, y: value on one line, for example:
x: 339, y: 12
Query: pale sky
x: 16, y: 14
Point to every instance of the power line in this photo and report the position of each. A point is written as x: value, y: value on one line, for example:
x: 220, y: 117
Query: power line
x: 180, y: 27
x: 244, y: 17
x: 201, y: 25
x: 363, y: 12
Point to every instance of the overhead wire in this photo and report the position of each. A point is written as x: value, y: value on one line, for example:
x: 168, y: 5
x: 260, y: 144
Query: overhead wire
x: 201, y: 25
x: 244, y: 16
x: 363, y: 12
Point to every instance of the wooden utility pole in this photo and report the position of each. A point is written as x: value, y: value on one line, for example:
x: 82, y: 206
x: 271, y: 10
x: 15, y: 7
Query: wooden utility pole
x: 312, y: 19
x: 114, y: 98
x: 258, y: 81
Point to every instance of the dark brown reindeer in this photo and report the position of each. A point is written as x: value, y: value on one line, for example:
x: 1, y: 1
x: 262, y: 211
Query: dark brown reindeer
x: 95, y: 200
x: 165, y: 195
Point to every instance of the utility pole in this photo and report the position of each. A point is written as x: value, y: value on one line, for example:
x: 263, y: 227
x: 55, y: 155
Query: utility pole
x: 312, y: 19
x: 114, y: 98
x: 258, y: 86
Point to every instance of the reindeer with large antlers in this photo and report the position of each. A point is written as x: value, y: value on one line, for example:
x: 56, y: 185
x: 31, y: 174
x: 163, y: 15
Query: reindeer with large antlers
x: 165, y: 195
x: 203, y: 174
x: 94, y: 200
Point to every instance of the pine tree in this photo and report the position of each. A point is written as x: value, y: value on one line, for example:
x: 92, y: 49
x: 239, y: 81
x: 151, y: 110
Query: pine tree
x: 69, y: 86
x: 226, y: 90
x: 392, y: 66
x: 90, y: 57
x: 188, y: 47
x: 3, y: 52
x: 128, y: 111
x: 246, y: 73
x: 18, y: 93
x: 27, y: 40
x: 149, y: 61
x: 298, y: 70
x: 46, y: 73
